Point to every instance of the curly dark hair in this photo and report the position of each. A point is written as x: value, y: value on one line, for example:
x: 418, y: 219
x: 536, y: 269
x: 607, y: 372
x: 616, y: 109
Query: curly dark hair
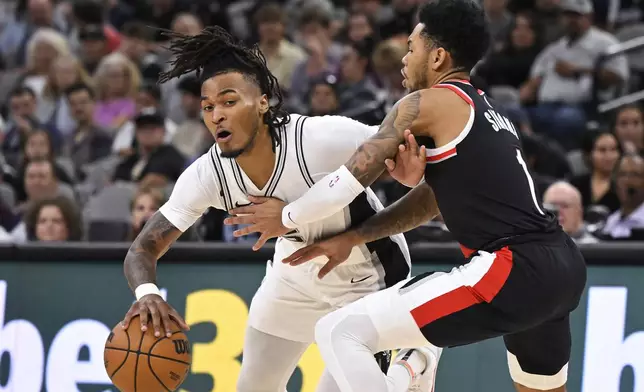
x: 68, y: 209
x: 458, y: 26
x: 214, y: 51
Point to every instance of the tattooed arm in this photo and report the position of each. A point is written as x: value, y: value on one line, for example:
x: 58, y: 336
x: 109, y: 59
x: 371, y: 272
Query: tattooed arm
x: 417, y: 207
x: 148, y: 247
x: 338, y: 189
x: 412, y: 210
x: 368, y: 162
x: 194, y: 192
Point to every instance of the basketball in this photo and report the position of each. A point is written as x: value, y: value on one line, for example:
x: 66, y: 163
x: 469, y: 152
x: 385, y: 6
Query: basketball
x: 139, y: 361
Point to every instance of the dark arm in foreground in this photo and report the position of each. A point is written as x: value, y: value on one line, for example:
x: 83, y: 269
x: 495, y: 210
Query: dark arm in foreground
x: 414, y: 209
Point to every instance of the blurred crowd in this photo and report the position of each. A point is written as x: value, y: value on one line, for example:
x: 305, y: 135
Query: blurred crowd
x: 91, y: 145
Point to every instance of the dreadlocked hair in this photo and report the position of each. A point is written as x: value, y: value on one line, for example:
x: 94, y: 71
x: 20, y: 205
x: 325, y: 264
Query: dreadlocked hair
x: 214, y: 51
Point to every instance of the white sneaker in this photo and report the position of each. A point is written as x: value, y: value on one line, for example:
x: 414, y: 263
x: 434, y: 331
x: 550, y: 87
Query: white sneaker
x: 425, y: 380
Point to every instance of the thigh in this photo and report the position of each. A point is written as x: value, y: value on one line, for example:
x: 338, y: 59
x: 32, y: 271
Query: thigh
x: 282, y: 309
x: 544, y: 349
x: 268, y: 362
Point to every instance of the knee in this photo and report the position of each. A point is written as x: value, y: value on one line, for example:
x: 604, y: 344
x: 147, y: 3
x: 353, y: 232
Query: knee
x: 541, y: 378
x: 247, y: 383
x: 325, y: 327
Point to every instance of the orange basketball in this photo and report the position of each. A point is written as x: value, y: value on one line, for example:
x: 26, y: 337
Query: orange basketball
x: 137, y: 361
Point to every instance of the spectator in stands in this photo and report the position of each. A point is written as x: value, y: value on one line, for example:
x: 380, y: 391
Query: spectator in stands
x: 154, y: 163
x: 117, y: 82
x: 53, y: 107
x: 22, y: 121
x: 629, y: 128
x: 628, y: 222
x: 324, y: 54
x: 42, y: 50
x: 53, y: 219
x: 499, y: 20
x: 561, y: 78
x: 92, y: 13
x: 602, y: 152
x: 89, y: 142
x: 509, y: 64
x: 93, y: 46
x: 16, y: 35
x: 358, y: 95
x: 38, y: 146
x: 187, y: 24
x: 281, y: 55
x: 145, y: 203
x: 376, y: 10
x: 548, y: 15
x: 386, y: 60
x: 323, y: 98
x: 41, y: 183
x: 565, y: 200
x: 148, y: 98
x: 403, y: 21
x: 360, y: 27
x: 192, y: 138
x: 137, y: 39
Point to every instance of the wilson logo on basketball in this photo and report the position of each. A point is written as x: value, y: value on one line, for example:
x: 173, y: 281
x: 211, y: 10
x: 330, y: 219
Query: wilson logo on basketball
x: 181, y: 346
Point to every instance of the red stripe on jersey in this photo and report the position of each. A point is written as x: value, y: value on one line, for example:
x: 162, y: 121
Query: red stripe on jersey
x: 443, y: 155
x: 464, y: 296
x: 458, y: 92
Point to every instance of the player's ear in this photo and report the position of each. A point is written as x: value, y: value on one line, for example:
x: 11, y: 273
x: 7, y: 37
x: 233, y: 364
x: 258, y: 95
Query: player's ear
x: 263, y: 104
x: 438, y: 58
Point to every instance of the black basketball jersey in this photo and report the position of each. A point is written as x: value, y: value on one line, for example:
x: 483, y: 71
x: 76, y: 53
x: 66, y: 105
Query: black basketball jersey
x: 481, y: 180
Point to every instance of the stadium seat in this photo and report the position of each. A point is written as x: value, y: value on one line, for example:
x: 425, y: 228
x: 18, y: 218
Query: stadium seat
x: 7, y: 195
x: 636, y: 57
x: 101, y: 231
x: 112, y: 204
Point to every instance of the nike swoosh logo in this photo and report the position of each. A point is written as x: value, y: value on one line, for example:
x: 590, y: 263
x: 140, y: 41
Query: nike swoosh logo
x: 360, y: 280
x: 237, y: 205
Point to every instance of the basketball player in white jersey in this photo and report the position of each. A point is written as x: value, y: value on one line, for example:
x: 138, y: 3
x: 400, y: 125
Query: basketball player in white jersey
x: 263, y: 152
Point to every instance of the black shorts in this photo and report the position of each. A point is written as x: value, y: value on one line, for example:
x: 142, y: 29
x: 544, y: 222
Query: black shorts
x: 523, y: 292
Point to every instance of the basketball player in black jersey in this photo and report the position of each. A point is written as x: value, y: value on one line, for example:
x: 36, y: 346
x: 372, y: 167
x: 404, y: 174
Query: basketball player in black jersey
x: 523, y: 275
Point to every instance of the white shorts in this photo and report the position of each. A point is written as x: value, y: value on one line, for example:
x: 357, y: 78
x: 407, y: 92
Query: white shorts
x: 291, y: 300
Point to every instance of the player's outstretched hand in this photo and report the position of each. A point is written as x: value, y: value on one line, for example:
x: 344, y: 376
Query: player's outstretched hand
x: 337, y: 249
x: 161, y: 312
x: 264, y: 216
x: 408, y: 167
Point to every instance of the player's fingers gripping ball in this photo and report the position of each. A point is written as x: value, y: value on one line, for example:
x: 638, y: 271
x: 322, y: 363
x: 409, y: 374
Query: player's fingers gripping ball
x: 139, y: 361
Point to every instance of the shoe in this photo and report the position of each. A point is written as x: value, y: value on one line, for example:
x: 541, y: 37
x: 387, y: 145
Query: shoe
x: 425, y: 380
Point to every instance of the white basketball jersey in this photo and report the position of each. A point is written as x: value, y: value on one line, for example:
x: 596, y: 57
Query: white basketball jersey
x: 309, y: 149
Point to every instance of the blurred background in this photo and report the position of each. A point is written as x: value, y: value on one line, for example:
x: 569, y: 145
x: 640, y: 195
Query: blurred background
x: 91, y: 145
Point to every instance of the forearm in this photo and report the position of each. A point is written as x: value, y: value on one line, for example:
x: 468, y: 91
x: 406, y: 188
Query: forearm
x: 335, y: 191
x: 417, y: 207
x: 152, y: 243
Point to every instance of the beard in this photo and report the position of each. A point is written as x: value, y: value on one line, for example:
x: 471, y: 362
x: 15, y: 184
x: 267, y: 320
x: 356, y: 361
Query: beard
x: 235, y: 153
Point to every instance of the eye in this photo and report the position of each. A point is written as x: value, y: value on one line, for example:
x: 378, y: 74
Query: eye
x: 229, y: 102
x: 208, y: 108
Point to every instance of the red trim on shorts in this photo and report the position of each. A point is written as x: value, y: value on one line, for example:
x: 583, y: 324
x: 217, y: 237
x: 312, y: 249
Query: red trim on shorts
x: 458, y: 92
x: 467, y: 252
x: 463, y: 297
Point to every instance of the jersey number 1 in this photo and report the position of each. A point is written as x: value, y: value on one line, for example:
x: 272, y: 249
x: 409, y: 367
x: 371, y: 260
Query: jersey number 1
x: 530, y: 182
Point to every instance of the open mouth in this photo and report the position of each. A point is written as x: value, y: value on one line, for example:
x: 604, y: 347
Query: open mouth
x: 223, y: 136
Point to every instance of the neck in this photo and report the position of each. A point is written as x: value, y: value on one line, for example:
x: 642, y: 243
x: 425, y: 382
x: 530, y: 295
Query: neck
x: 270, y: 47
x: 599, y: 176
x: 255, y: 161
x: 495, y: 14
x: 451, y: 75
